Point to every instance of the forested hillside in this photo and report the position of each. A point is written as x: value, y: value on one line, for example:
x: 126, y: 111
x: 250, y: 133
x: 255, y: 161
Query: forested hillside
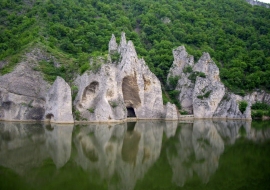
x: 236, y: 34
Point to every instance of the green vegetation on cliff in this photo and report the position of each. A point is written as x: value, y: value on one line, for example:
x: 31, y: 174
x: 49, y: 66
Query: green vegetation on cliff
x: 236, y: 35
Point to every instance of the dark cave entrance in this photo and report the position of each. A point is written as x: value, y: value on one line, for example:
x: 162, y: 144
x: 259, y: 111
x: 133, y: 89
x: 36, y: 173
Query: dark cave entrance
x: 130, y: 112
x: 49, y: 117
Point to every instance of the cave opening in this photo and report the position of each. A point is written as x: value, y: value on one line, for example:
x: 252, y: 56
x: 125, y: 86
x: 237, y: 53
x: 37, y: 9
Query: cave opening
x: 50, y: 117
x: 130, y: 112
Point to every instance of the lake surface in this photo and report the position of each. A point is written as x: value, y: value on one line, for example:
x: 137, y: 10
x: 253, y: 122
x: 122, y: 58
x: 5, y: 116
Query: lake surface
x: 203, y: 154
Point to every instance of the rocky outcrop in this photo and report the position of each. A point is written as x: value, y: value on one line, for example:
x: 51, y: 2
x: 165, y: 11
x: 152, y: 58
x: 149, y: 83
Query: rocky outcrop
x: 208, y: 90
x: 255, y: 2
x: 23, y: 91
x: 59, y: 103
x: 200, y: 90
x: 180, y: 68
x: 26, y: 96
x: 229, y: 107
x: 122, y: 87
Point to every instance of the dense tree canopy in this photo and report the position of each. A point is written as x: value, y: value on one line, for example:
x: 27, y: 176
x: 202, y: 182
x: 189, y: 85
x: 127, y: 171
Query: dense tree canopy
x: 236, y: 35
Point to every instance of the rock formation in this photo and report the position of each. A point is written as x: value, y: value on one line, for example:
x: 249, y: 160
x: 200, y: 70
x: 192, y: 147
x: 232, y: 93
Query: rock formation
x: 201, y: 91
x: 23, y: 91
x: 256, y: 2
x: 59, y: 103
x: 123, y: 87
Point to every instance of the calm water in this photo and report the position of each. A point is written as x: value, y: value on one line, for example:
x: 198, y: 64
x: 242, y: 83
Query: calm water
x: 143, y: 155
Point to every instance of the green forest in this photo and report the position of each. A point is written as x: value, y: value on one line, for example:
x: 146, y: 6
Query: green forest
x: 236, y: 34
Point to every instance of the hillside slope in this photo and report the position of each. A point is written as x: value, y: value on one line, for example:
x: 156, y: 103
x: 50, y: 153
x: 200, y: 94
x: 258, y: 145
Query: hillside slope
x: 236, y: 34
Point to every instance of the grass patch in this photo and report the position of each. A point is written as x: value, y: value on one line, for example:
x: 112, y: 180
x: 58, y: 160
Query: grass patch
x: 50, y: 71
x: 12, y: 62
x: 91, y: 110
x: 113, y: 104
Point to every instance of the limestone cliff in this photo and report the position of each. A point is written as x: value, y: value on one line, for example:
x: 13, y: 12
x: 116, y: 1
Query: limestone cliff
x: 201, y: 91
x: 23, y: 91
x: 26, y: 96
x: 123, y: 87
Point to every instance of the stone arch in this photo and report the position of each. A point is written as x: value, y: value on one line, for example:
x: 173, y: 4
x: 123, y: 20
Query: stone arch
x: 131, y: 96
x: 90, y: 91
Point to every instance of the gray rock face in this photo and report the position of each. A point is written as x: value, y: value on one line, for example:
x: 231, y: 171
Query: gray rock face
x: 185, y: 86
x: 229, y: 108
x: 124, y: 89
x: 201, y: 91
x: 255, y: 2
x: 208, y: 91
x: 59, y: 103
x: 113, y: 47
x: 22, y: 92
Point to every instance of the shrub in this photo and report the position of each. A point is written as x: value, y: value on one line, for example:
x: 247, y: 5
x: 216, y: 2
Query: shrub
x: 260, y: 106
x: 115, y: 57
x: 173, y: 81
x: 187, y: 69
x: 242, y: 106
x: 91, y: 110
x: 77, y: 114
x: 206, y: 95
x: 84, y: 68
x: 113, y: 104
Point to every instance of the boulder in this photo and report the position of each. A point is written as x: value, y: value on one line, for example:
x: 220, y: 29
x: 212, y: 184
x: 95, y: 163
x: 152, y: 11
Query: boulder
x: 59, y: 103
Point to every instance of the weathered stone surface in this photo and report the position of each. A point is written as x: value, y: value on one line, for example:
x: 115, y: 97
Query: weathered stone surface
x: 22, y: 92
x: 126, y: 88
x: 185, y: 86
x: 208, y: 91
x: 113, y: 47
x: 201, y: 91
x: 255, y: 2
x: 229, y: 108
x: 171, y: 112
x: 59, y: 103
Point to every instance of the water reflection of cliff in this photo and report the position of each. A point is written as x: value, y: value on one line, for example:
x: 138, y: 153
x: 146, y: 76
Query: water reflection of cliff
x: 121, y: 154
x: 122, y: 151
x: 26, y: 146
x: 197, y: 147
